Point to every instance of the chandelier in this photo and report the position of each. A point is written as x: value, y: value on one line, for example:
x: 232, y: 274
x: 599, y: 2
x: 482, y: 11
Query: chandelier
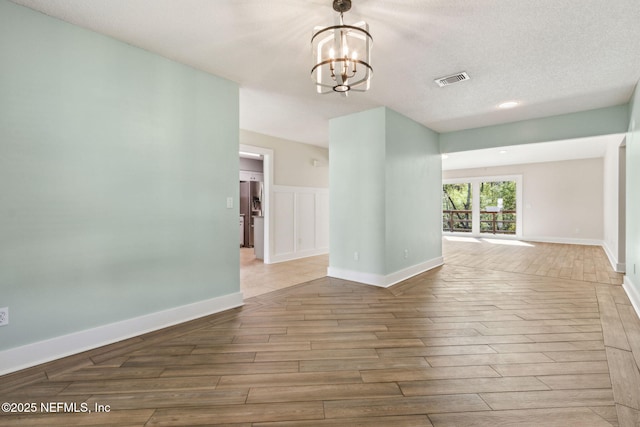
x: 342, y: 55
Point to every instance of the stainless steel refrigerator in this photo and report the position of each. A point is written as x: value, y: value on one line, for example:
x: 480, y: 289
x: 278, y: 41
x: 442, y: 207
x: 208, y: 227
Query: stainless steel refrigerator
x: 250, y: 205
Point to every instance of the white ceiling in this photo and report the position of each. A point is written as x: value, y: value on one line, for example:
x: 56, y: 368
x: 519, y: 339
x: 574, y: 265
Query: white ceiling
x: 553, y: 56
x: 556, y: 151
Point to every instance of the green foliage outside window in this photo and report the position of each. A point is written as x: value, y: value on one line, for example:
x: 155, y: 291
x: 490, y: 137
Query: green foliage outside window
x: 457, y: 197
x: 490, y: 192
x: 497, y: 199
x: 502, y: 195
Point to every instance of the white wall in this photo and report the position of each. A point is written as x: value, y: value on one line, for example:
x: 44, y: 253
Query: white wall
x: 293, y: 161
x: 562, y: 201
x: 613, y: 198
x: 301, y: 222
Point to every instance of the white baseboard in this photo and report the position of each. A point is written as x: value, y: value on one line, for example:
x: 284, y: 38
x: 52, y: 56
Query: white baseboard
x: 618, y: 267
x: 633, y: 292
x: 388, y: 280
x: 541, y: 239
x: 356, y: 276
x: 563, y: 240
x: 297, y: 255
x: 26, y: 356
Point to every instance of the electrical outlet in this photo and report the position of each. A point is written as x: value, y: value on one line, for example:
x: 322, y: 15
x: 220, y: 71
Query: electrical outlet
x: 356, y: 256
x: 406, y: 253
x: 4, y: 316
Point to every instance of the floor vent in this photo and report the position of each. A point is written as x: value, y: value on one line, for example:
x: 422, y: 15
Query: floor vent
x: 449, y: 80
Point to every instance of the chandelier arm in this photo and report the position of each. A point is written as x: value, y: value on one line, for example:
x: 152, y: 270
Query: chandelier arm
x: 335, y: 27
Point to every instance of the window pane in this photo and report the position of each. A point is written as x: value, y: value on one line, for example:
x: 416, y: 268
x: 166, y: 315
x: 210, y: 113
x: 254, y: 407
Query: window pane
x: 498, y: 207
x: 456, y: 207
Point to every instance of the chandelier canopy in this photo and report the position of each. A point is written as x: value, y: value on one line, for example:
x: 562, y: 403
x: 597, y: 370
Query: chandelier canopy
x: 342, y: 55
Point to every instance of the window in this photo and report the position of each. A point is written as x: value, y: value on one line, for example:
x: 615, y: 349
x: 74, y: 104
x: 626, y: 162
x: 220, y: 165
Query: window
x: 498, y: 207
x: 456, y: 207
x: 486, y: 205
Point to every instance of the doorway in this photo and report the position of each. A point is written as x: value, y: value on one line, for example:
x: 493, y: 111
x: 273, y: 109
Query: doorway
x: 267, y: 275
x: 264, y: 205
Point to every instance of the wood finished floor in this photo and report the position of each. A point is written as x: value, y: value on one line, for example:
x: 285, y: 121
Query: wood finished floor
x: 577, y: 262
x: 456, y: 346
x: 257, y: 278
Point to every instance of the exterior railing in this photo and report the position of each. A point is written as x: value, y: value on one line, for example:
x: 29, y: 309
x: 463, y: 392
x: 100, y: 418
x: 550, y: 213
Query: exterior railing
x: 502, y: 222
x: 456, y: 220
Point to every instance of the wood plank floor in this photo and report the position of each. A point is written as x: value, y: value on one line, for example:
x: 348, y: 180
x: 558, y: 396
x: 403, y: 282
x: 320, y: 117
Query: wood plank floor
x: 257, y: 278
x: 457, y: 346
x: 578, y: 262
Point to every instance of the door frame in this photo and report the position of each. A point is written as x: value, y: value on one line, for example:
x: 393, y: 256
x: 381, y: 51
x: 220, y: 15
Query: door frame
x: 267, y: 162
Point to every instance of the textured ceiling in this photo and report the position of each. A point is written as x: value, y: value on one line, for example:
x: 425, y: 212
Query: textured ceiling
x: 553, y: 56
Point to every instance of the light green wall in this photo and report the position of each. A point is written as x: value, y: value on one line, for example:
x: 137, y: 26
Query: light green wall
x: 357, y: 191
x: 603, y: 121
x: 385, y: 175
x: 115, y: 167
x: 413, y: 193
x: 633, y: 194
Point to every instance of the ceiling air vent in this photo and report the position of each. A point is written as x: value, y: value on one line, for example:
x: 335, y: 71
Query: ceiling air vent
x: 449, y: 80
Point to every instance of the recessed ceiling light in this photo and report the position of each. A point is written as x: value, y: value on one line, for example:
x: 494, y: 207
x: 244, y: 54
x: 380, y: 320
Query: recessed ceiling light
x: 445, y: 156
x: 503, y: 151
x: 508, y: 104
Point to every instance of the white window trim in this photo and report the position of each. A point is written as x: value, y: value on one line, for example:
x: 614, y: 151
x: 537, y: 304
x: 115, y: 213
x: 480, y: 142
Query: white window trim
x: 475, y: 214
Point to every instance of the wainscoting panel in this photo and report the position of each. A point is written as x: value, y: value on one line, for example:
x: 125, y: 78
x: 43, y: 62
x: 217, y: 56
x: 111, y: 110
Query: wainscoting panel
x: 301, y: 222
x: 284, y: 208
x: 322, y: 227
x: 305, y: 221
